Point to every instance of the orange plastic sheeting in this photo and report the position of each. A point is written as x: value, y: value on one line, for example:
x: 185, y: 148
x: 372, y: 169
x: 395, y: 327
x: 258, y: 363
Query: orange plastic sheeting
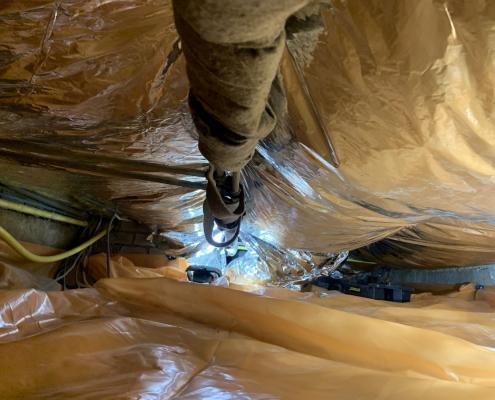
x: 158, y: 338
x: 16, y: 272
x: 138, y: 266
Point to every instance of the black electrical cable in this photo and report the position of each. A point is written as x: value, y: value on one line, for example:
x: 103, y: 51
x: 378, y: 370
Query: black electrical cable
x: 75, y: 262
x: 68, y: 270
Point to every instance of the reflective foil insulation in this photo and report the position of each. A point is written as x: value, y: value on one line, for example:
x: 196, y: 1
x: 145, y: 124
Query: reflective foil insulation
x: 384, y: 140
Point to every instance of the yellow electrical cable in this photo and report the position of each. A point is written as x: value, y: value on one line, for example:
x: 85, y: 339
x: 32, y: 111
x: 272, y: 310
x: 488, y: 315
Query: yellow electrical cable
x: 9, y: 205
x: 19, y: 248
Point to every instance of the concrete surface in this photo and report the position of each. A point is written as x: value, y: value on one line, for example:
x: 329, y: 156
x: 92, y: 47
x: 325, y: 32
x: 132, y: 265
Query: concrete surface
x: 483, y: 274
x: 38, y: 230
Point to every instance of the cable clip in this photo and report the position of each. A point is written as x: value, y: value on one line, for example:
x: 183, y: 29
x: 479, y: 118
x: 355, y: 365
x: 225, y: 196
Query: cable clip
x: 223, y: 208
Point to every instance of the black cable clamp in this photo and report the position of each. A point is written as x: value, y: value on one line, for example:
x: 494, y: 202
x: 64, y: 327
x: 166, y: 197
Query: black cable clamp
x: 223, y: 208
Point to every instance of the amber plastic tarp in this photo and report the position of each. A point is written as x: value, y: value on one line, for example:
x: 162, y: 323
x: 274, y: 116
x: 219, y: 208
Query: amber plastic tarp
x: 136, y: 266
x: 403, y: 89
x: 18, y: 273
x: 163, y: 339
